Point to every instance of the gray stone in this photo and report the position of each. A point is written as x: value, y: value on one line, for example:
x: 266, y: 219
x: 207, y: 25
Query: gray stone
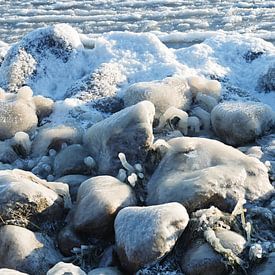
x: 128, y: 131
x: 71, y: 161
x: 27, y: 200
x: 145, y: 234
x: 26, y: 251
x: 238, y: 123
x: 199, y: 172
x: 98, y: 201
x: 171, y: 91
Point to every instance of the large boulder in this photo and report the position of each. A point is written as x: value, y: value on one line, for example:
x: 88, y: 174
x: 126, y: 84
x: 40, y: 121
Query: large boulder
x: 98, y: 201
x: 27, y: 200
x: 238, y: 123
x: 145, y: 234
x: 171, y: 91
x: 128, y: 131
x: 23, y: 250
x: 42, y: 59
x: 199, y: 172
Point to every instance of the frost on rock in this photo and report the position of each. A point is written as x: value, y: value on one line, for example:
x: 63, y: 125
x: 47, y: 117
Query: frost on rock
x: 266, y: 82
x: 17, y: 113
x: 238, y: 123
x: 169, y: 92
x: 62, y: 268
x: 128, y: 131
x: 199, y: 172
x: 145, y: 234
x: 42, y: 60
x: 33, y: 253
x: 53, y: 138
x: 27, y: 200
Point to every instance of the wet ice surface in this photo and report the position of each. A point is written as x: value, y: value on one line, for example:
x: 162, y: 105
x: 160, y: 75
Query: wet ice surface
x: 198, y: 18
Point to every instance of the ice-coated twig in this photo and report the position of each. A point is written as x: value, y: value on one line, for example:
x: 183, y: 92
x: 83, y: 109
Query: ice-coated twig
x: 122, y: 175
x: 89, y: 162
x: 125, y: 163
x: 132, y: 179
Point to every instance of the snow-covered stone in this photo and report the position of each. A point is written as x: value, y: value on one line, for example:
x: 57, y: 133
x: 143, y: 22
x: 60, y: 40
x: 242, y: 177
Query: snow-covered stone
x: 266, y: 82
x: 16, y: 114
x: 98, y: 201
x: 62, y: 268
x: 25, y: 251
x: 105, y: 271
x: 169, y: 92
x: 238, y: 123
x: 53, y: 138
x: 199, y: 172
x: 43, y: 105
x: 26, y: 200
x: 128, y: 131
x: 145, y: 234
x: 71, y: 161
x: 42, y: 60
x: 202, y: 85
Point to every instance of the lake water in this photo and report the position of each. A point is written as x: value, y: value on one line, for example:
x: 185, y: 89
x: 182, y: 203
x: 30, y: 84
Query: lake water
x: 195, y: 19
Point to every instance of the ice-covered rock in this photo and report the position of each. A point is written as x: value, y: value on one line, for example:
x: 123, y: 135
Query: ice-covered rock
x: 105, y: 271
x: 27, y: 200
x: 238, y: 123
x: 199, y: 172
x: 71, y: 161
x: 265, y: 268
x: 267, y: 81
x: 203, y: 116
x: 145, y: 234
x: 7, y: 154
x: 169, y: 92
x: 207, y: 87
x: 206, y: 102
x: 73, y: 182
x: 201, y: 258
x: 53, y: 138
x: 23, y: 250
x: 98, y: 201
x: 7, y: 271
x: 21, y: 144
x: 129, y: 131
x: 42, y: 60
x: 16, y: 114
x: 62, y: 268
x: 43, y: 105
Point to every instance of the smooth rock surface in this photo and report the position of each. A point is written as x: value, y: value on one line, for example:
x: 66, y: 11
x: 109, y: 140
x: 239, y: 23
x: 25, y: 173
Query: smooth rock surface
x: 199, y: 172
x: 98, y: 201
x: 145, y: 234
x: 238, y: 123
x: 128, y: 131
x: 28, y: 252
